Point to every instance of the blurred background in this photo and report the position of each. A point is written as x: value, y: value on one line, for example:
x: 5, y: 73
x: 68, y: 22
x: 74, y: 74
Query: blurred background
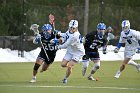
x: 16, y: 17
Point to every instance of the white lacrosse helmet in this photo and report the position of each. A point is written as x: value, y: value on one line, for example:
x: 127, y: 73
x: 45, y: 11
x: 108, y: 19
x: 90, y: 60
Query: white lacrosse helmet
x: 73, y: 24
x: 125, y: 25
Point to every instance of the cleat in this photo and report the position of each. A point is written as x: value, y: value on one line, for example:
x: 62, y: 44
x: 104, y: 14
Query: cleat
x: 33, y: 80
x: 91, y: 78
x: 138, y: 67
x: 84, y: 71
x: 117, y: 75
x: 65, y: 81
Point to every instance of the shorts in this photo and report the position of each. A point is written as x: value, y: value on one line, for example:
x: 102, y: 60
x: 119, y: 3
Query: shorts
x: 91, y: 56
x: 51, y: 55
x: 129, y: 54
x: 76, y: 57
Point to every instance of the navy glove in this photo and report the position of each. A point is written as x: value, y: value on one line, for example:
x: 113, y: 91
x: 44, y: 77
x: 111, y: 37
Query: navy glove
x: 138, y: 50
x: 104, y: 51
x: 57, y: 32
x: 116, y: 50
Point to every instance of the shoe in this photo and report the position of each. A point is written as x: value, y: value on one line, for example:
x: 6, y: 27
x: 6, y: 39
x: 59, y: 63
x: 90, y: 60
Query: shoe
x: 138, y: 67
x: 33, y: 80
x: 84, y: 71
x: 90, y: 78
x: 65, y: 81
x: 117, y: 75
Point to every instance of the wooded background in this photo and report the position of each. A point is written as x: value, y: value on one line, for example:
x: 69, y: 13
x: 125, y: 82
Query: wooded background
x: 16, y: 16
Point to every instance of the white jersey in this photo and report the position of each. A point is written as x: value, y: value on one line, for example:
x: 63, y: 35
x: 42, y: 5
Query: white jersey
x: 130, y: 39
x: 73, y: 43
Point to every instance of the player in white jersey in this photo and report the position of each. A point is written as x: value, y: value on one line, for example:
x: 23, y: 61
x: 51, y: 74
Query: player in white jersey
x: 130, y: 37
x: 75, y: 49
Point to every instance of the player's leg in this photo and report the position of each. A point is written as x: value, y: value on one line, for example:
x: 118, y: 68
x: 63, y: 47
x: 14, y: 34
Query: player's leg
x: 35, y: 69
x: 94, y: 69
x: 64, y: 63
x: 45, y: 67
x: 96, y: 59
x: 133, y: 63
x: 122, y: 67
x: 85, y: 64
x: 127, y: 57
x: 47, y: 62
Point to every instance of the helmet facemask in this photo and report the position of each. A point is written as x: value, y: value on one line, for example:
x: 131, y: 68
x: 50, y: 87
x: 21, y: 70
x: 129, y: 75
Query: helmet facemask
x: 73, y: 26
x: 125, y: 26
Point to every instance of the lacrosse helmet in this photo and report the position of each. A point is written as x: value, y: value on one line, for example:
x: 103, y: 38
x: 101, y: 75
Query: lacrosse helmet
x: 46, y: 27
x: 101, y: 27
x: 125, y: 25
x: 73, y: 24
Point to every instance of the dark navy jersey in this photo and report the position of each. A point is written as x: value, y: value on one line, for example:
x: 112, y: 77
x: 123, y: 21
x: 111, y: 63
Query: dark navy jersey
x: 45, y: 38
x: 50, y: 48
x: 93, y: 42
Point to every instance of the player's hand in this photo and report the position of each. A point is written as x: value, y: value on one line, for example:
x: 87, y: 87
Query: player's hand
x: 37, y: 39
x: 138, y: 50
x: 57, y: 32
x: 104, y: 52
x: 116, y: 50
x: 54, y: 41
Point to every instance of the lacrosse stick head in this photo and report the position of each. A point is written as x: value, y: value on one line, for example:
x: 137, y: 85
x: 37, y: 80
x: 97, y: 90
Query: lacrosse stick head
x: 51, y: 19
x: 34, y: 27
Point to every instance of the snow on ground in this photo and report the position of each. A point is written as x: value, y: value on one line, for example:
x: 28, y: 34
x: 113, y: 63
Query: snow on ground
x: 8, y: 55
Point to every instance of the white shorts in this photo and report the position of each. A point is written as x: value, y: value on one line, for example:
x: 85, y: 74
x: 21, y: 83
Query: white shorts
x: 129, y: 54
x: 76, y: 57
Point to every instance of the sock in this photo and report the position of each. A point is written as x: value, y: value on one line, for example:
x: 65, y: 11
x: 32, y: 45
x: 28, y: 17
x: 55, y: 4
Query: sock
x: 34, y: 77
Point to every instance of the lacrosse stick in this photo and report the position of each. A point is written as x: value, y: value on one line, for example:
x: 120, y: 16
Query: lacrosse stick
x: 34, y: 27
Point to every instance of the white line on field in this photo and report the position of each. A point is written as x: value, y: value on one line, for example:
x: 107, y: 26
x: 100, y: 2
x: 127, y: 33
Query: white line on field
x: 80, y: 87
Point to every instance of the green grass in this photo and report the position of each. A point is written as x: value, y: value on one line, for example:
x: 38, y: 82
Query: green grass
x: 15, y: 77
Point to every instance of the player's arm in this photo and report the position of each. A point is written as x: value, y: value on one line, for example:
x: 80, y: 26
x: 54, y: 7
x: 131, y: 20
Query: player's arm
x: 119, y: 45
x: 67, y: 43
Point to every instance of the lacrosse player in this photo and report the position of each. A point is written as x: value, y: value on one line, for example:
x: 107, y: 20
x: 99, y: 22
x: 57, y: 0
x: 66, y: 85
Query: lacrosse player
x: 109, y: 33
x: 130, y: 37
x: 48, y: 50
x: 75, y: 49
x: 93, y: 41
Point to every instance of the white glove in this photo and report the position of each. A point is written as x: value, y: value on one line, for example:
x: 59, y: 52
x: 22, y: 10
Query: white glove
x: 116, y: 50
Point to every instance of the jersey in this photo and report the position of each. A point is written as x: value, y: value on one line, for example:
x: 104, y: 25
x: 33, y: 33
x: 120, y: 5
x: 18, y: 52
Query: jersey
x: 92, y: 43
x: 73, y: 44
x: 130, y: 39
x: 50, y: 48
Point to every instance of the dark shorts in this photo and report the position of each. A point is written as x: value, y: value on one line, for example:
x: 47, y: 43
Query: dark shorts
x: 92, y: 56
x: 51, y: 55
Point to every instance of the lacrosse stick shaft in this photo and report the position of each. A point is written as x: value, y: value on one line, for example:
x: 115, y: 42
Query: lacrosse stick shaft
x: 45, y: 51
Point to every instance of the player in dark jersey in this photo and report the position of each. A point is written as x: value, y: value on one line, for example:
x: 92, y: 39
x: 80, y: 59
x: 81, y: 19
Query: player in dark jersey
x: 48, y: 50
x: 93, y: 41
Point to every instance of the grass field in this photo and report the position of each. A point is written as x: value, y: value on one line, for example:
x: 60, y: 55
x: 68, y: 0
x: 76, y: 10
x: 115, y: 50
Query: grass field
x: 15, y: 77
